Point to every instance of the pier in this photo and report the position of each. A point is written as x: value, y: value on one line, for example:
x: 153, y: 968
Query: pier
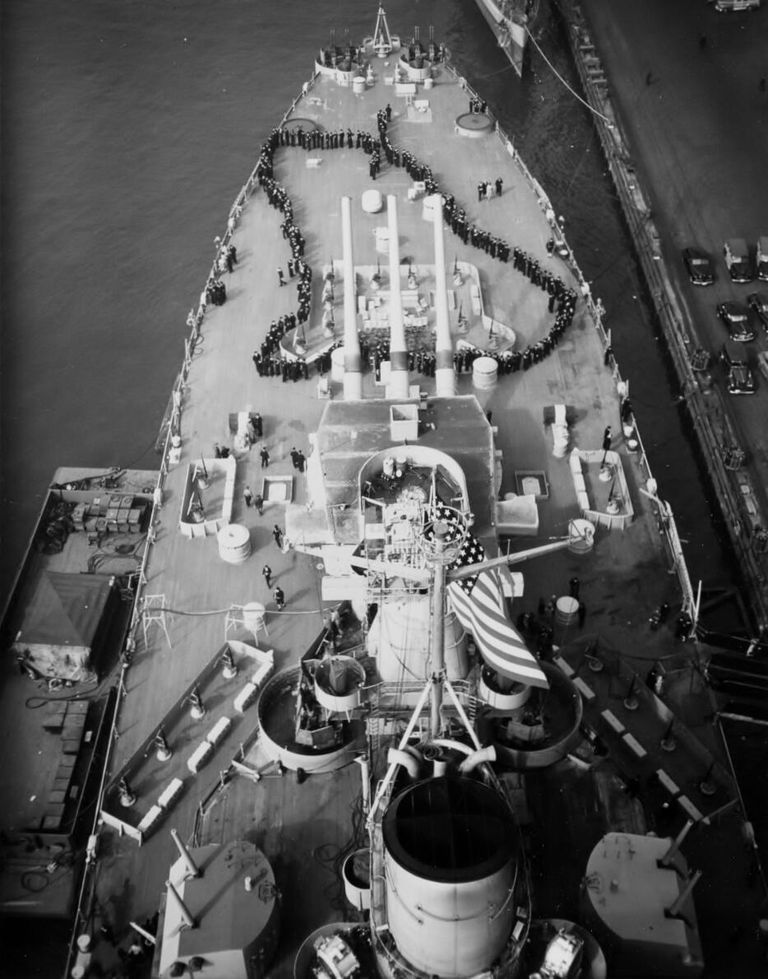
x: 640, y: 170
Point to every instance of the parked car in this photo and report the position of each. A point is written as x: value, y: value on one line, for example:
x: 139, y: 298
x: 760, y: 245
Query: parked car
x: 758, y: 302
x: 698, y: 266
x: 721, y: 6
x: 737, y: 260
x: 736, y: 317
x: 741, y: 380
x: 762, y: 363
x: 761, y: 258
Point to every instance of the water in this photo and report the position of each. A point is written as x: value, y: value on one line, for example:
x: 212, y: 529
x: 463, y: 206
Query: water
x: 127, y: 131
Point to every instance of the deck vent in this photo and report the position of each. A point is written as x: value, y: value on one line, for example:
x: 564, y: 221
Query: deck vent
x: 404, y: 423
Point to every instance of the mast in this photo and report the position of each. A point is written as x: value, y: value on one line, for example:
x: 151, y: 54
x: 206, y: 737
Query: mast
x: 438, y: 628
x: 382, y: 40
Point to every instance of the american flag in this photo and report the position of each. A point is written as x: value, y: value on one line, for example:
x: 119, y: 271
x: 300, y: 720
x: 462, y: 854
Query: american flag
x: 479, y: 603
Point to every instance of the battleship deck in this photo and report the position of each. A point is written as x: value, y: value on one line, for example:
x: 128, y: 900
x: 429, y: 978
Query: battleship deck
x: 622, y: 581
x: 222, y: 378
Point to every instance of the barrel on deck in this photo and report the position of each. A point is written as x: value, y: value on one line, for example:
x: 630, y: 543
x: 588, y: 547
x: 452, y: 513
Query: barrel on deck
x: 485, y: 373
x: 566, y: 610
x: 234, y: 543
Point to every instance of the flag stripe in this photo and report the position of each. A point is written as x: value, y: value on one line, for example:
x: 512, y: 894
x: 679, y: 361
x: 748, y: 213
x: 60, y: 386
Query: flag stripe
x: 482, y: 613
x: 481, y: 608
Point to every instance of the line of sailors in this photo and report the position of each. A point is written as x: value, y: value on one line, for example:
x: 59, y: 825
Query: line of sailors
x: 326, y: 139
x: 396, y: 158
x: 274, y: 365
x: 561, y: 299
x: 227, y: 259
x: 215, y: 292
x: 309, y: 139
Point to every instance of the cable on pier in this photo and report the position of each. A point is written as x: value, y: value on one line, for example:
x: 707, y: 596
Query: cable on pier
x: 560, y: 78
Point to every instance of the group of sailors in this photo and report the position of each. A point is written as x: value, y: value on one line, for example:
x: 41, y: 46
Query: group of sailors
x: 271, y: 343
x: 227, y: 259
x: 375, y: 350
x: 403, y: 158
x: 326, y: 139
x: 268, y: 361
x: 215, y: 292
x: 477, y: 105
x: 487, y: 189
x: 422, y: 359
x: 279, y: 199
x: 289, y: 370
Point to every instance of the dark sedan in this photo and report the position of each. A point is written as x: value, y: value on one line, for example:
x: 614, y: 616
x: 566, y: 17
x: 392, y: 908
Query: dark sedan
x: 758, y: 301
x: 698, y: 266
x: 736, y: 317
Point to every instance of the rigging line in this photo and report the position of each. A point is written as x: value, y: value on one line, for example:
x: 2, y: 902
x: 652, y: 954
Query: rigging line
x: 492, y: 74
x: 557, y: 74
x: 221, y: 611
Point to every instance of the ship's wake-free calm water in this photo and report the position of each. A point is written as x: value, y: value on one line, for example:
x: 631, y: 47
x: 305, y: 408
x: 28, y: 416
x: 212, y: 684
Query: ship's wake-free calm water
x: 128, y: 129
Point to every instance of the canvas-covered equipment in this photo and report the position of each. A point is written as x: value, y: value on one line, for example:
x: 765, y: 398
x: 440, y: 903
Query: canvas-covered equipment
x: 64, y: 624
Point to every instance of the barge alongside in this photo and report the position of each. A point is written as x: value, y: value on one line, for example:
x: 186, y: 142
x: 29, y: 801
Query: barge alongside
x: 443, y: 726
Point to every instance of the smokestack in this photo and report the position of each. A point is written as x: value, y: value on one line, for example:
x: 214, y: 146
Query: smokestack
x: 191, y: 867
x: 398, y: 350
x: 353, y: 382
x: 174, y: 899
x: 445, y: 376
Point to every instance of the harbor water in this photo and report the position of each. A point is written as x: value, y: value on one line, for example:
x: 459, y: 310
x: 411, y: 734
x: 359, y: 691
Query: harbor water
x: 129, y: 128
